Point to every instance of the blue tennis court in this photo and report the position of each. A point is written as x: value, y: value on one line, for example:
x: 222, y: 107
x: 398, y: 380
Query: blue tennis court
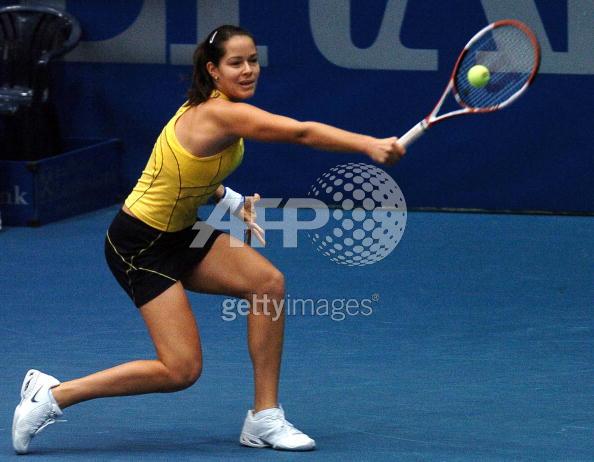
x: 476, y: 344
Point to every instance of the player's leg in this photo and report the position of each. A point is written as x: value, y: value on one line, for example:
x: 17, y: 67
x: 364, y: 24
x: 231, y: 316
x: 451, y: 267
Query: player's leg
x: 243, y: 272
x: 240, y: 271
x: 174, y: 332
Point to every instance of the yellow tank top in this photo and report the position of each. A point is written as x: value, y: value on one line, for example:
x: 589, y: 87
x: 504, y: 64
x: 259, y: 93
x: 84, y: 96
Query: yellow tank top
x: 175, y: 183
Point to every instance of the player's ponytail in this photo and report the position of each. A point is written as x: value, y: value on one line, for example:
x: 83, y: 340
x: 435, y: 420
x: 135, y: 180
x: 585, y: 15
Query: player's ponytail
x: 212, y: 49
x: 202, y: 83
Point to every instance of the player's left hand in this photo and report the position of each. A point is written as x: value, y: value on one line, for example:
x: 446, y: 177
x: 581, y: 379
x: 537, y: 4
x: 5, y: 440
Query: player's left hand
x: 248, y: 215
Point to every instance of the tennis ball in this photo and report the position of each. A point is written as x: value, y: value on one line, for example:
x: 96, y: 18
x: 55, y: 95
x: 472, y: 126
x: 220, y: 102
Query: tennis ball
x: 478, y: 76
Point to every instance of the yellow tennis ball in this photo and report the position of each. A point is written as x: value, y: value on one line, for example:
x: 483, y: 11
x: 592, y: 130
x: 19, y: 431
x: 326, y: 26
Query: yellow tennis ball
x: 478, y: 76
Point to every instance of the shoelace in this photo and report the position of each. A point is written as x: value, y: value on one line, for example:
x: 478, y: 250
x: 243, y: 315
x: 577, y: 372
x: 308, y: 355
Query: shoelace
x: 51, y: 420
x: 286, y: 426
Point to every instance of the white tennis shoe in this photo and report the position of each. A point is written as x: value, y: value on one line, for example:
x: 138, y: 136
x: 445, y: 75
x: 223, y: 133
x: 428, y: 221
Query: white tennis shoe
x: 269, y: 428
x: 36, y: 410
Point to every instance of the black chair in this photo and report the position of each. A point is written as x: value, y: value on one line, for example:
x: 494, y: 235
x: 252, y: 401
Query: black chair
x: 30, y: 38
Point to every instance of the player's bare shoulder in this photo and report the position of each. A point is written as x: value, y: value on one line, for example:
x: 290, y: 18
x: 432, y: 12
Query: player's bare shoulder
x: 232, y: 114
x: 218, y: 109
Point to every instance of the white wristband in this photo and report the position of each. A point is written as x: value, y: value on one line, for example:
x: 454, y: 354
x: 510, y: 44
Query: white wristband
x: 233, y: 201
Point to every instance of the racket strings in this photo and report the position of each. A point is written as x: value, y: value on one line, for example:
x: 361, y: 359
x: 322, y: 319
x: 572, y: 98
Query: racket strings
x: 510, y: 56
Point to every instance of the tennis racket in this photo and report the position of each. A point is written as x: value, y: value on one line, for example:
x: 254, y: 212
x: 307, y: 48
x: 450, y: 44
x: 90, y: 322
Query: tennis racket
x: 509, y: 49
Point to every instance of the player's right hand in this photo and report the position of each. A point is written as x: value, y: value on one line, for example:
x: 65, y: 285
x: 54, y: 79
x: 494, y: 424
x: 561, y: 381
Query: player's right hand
x: 386, y: 151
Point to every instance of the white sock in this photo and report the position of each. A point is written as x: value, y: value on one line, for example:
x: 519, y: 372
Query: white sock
x: 53, y: 400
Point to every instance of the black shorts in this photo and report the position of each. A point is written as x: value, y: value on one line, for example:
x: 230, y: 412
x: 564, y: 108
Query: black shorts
x: 146, y: 261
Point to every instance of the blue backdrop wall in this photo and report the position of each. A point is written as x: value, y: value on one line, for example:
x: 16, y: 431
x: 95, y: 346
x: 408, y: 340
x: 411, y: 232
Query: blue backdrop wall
x: 373, y: 66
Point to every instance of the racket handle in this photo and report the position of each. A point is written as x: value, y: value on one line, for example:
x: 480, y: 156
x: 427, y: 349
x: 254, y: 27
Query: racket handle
x: 247, y: 237
x: 413, y: 134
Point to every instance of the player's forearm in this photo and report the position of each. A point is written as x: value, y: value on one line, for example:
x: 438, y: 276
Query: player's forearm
x: 328, y: 138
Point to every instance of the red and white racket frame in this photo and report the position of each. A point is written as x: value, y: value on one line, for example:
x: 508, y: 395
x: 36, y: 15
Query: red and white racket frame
x: 419, y: 129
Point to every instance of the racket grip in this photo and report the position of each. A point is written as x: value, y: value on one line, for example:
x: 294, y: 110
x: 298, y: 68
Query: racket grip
x: 413, y: 134
x: 247, y: 237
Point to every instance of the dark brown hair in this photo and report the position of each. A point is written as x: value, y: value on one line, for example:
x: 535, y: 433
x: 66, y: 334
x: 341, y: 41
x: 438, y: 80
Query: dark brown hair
x: 211, y: 49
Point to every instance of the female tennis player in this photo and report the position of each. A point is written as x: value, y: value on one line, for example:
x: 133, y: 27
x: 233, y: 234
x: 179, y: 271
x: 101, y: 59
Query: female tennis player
x: 148, y: 249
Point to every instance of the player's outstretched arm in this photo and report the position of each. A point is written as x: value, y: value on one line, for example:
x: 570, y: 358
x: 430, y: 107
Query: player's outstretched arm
x: 245, y: 120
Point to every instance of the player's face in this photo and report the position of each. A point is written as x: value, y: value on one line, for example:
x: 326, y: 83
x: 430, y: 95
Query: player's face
x: 239, y: 69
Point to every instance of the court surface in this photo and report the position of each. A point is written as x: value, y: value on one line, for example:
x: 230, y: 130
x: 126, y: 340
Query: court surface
x: 477, y: 346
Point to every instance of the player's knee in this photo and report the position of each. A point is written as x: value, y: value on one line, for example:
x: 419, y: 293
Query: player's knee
x: 184, y: 375
x: 272, y: 284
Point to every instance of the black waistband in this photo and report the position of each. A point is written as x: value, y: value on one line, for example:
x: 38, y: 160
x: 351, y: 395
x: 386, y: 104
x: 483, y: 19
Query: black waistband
x: 134, y: 220
x: 121, y: 215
